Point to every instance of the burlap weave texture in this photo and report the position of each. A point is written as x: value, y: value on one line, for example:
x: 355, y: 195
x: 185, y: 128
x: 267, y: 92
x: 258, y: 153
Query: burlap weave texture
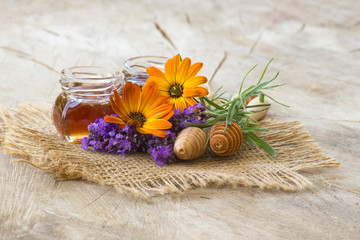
x: 28, y: 133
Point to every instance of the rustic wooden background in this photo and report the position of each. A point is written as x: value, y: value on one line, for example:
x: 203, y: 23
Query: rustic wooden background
x: 316, y: 46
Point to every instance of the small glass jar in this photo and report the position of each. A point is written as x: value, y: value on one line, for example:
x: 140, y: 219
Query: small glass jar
x: 85, y: 97
x: 135, y: 68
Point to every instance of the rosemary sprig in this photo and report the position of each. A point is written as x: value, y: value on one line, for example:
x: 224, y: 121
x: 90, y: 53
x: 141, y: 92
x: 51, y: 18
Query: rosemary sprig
x: 234, y: 110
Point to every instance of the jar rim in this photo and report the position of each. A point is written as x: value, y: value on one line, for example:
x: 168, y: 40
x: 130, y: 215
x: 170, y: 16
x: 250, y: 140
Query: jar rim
x: 69, y: 73
x: 130, y: 60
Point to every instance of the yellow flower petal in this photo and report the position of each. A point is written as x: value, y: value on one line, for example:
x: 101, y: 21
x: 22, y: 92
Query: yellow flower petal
x: 171, y: 68
x: 181, y: 75
x: 143, y: 109
x: 132, y: 97
x: 190, y: 101
x: 163, y: 85
x: 172, y: 101
x: 180, y: 103
x: 115, y: 107
x: 158, y: 133
x: 148, y: 95
x: 180, y: 84
x: 158, y: 112
x: 194, y: 69
x: 118, y: 105
x: 195, y: 92
x: 168, y: 116
x: 202, y: 92
x: 160, y: 100
x: 112, y: 119
x: 153, y: 71
x: 134, y: 123
x: 195, y: 81
x: 157, y: 124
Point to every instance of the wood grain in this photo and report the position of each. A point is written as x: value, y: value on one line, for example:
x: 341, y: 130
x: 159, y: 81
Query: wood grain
x: 316, y: 49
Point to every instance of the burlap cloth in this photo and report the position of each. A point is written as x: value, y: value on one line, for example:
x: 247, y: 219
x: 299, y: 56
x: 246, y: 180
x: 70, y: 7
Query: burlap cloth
x: 28, y: 133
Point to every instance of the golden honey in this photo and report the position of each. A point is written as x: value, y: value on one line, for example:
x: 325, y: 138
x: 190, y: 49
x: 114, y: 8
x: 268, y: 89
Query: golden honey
x: 85, y: 98
x: 71, y: 118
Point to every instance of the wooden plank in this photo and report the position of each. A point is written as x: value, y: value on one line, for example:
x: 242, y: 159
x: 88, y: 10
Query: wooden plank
x: 316, y: 48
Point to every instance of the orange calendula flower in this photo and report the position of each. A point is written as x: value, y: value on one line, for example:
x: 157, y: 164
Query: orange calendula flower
x: 179, y: 84
x: 143, y: 109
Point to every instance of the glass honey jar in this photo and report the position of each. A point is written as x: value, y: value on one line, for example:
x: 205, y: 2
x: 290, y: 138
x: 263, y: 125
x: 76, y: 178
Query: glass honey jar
x: 135, y: 68
x: 85, y: 97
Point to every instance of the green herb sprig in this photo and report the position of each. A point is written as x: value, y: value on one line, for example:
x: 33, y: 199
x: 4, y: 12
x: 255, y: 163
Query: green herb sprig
x: 234, y: 109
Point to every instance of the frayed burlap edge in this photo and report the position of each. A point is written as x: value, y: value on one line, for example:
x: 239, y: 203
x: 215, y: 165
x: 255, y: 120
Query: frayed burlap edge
x: 27, y: 132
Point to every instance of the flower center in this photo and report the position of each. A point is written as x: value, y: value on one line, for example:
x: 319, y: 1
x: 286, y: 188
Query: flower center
x: 176, y: 91
x: 138, y: 117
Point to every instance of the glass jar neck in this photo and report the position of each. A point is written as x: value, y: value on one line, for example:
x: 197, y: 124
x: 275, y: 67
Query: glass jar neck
x: 135, y: 68
x: 99, y: 82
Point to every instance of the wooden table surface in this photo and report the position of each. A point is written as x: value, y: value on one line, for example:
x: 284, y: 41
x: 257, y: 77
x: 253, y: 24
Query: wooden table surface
x: 316, y: 46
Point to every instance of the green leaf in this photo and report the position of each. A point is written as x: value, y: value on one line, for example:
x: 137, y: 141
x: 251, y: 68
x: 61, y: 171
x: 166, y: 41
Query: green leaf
x: 234, y: 109
x: 249, y: 139
x: 215, y: 114
x: 212, y: 103
x: 220, y: 97
x: 276, y: 101
x: 254, y: 89
x: 255, y: 123
x: 202, y: 101
x: 255, y: 111
x: 265, y: 70
x: 259, y: 105
x: 255, y: 129
x: 242, y: 82
x: 204, y: 197
x: 261, y: 143
x: 215, y: 93
x: 231, y: 112
x: 274, y: 86
x: 261, y: 97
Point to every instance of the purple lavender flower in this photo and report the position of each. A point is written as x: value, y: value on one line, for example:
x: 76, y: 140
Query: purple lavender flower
x: 162, y: 149
x: 107, y: 137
